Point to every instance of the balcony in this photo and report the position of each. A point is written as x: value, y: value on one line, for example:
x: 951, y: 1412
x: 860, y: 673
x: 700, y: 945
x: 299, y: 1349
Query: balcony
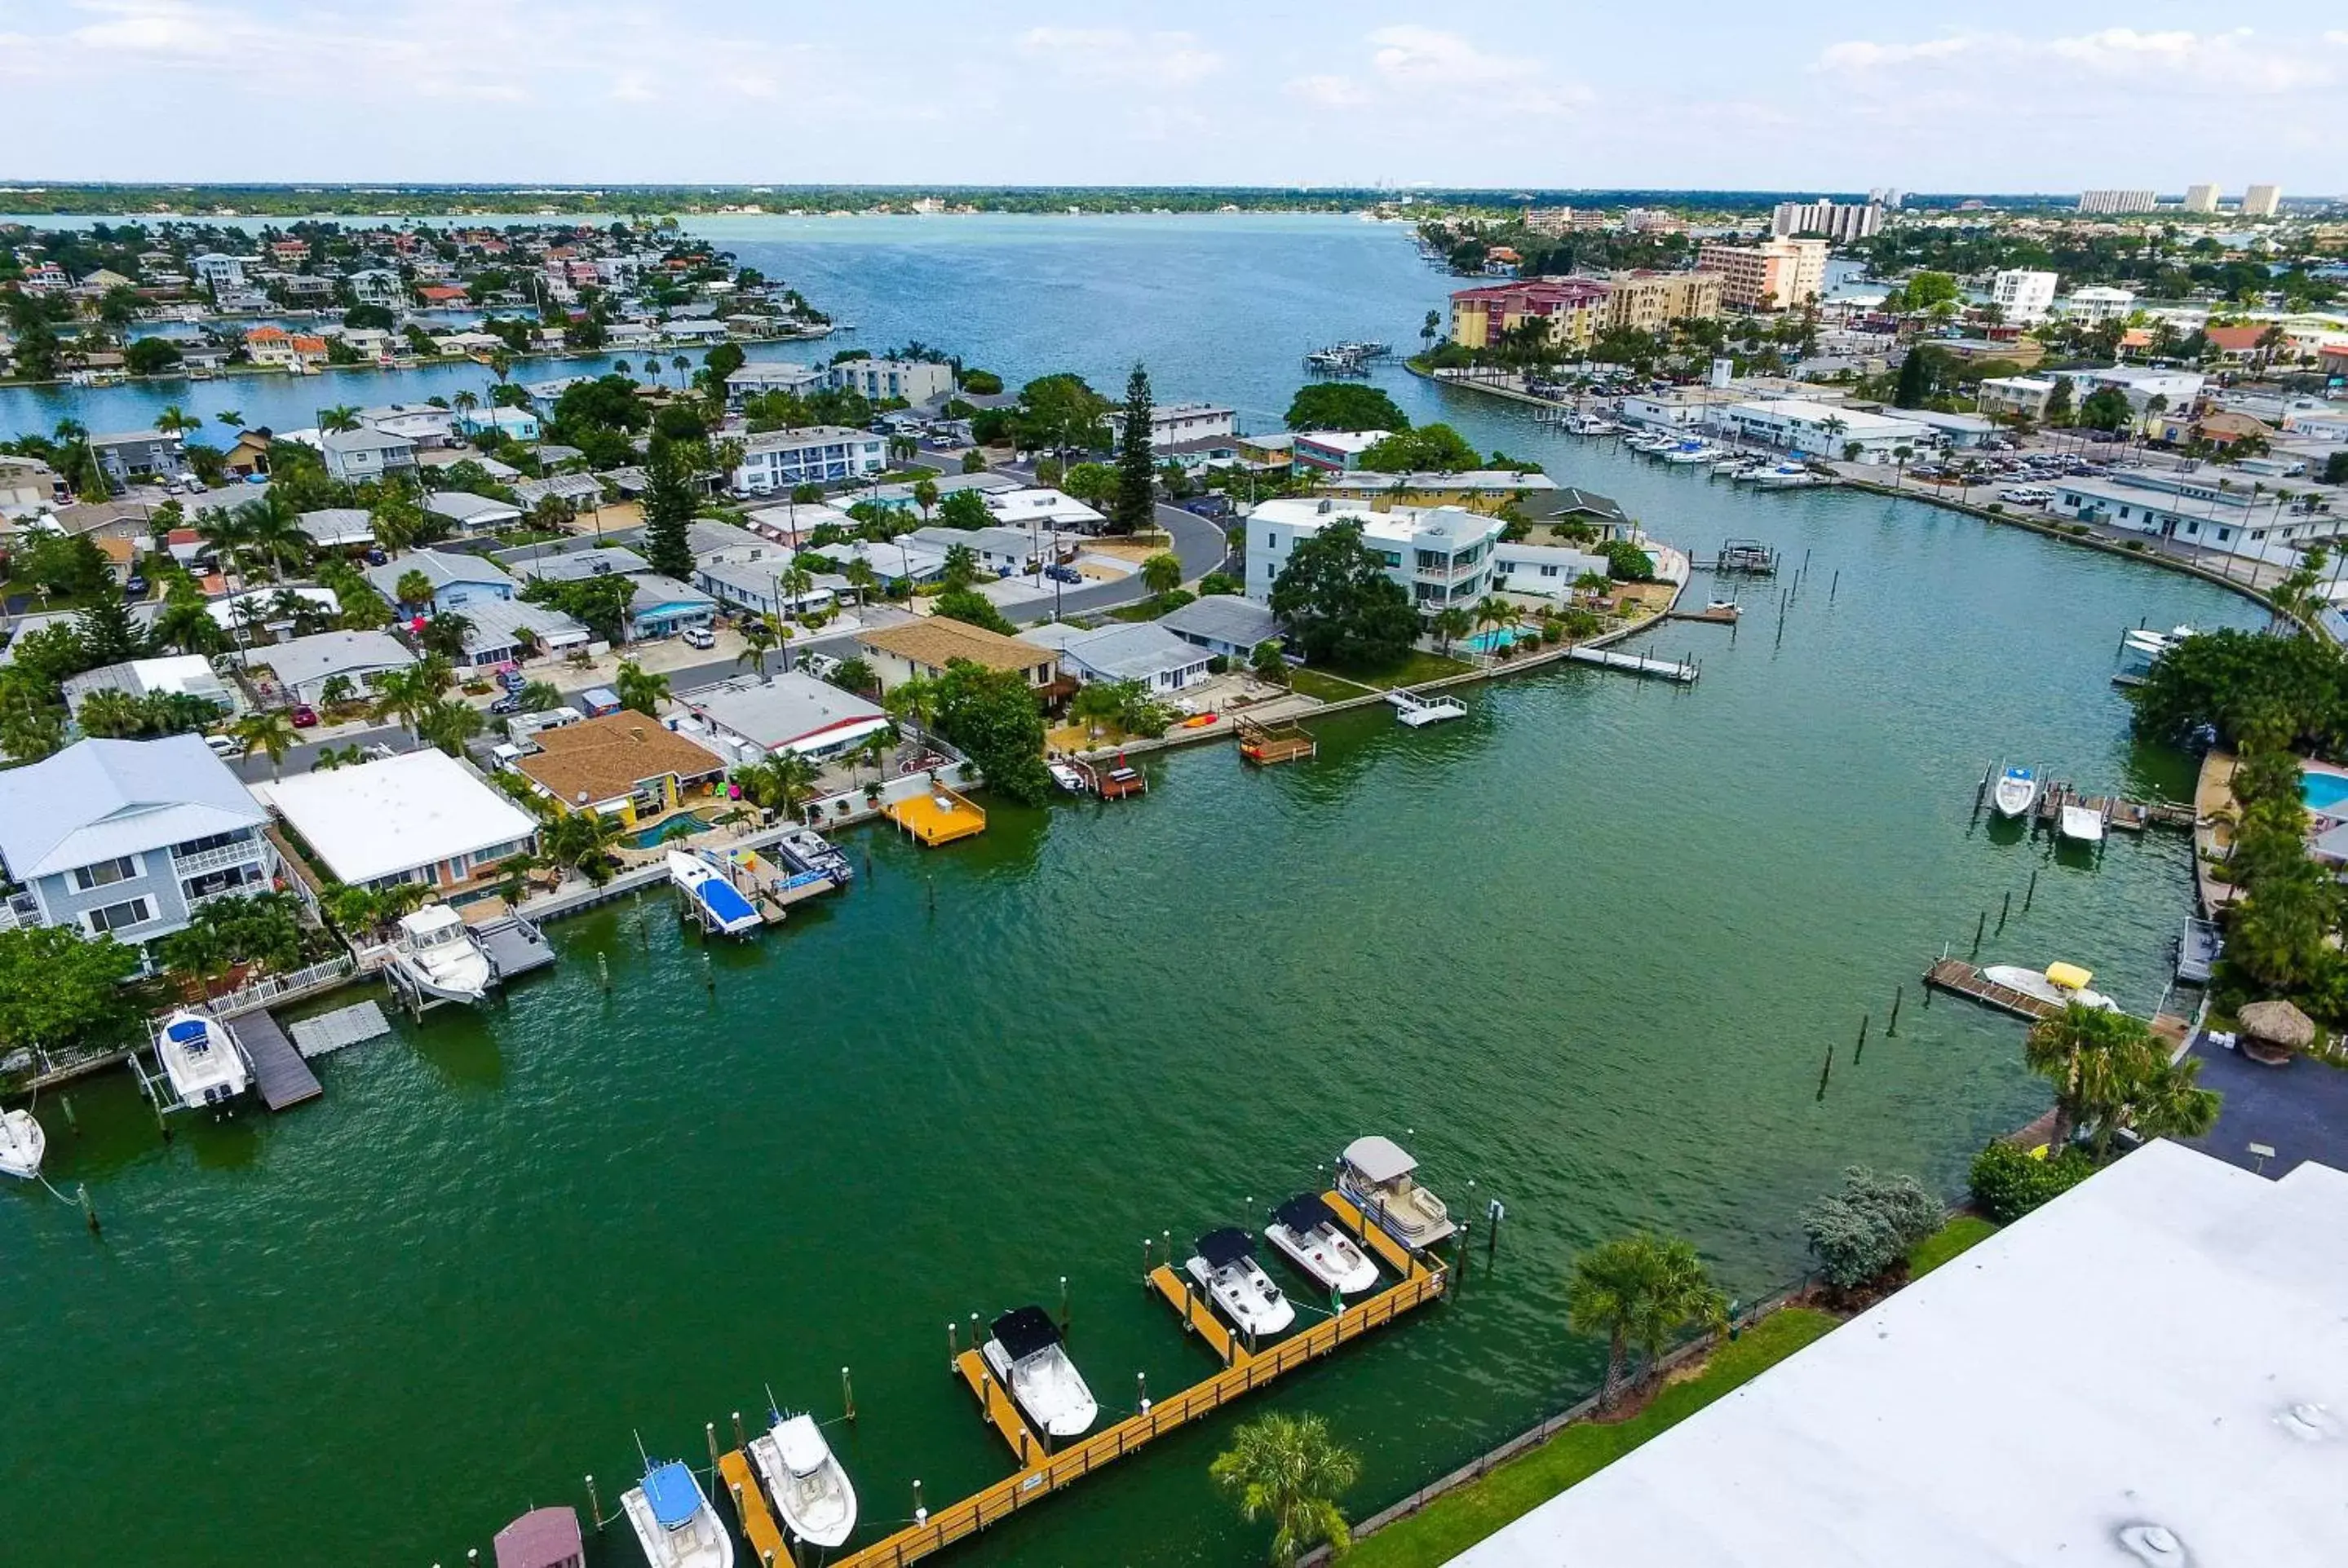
x: 220, y: 856
x: 1450, y: 573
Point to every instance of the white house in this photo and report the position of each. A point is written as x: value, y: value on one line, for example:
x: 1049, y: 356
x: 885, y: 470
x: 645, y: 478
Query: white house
x: 2099, y: 303
x: 216, y: 271
x: 1043, y: 508
x: 1547, y: 572
x: 915, y: 380
x: 2197, y: 510
x: 1172, y: 424
x: 1440, y: 555
x: 2177, y: 389
x: 789, y: 712
x: 1799, y: 424
x: 761, y: 376
x: 473, y: 514
x: 420, y: 817
x: 302, y: 666
x: 1143, y: 652
x: 820, y: 454
x: 355, y: 456
x: 2025, y: 296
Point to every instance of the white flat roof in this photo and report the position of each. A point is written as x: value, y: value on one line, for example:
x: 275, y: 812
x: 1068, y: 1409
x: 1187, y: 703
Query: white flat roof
x: 1855, y: 421
x: 382, y: 818
x: 2145, y: 1350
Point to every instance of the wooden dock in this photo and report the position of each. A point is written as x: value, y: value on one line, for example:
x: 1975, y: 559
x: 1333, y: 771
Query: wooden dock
x: 1112, y: 782
x: 1267, y: 745
x: 280, y: 1076
x: 1964, y: 979
x: 1197, y: 1314
x: 1710, y: 614
x: 2116, y: 810
x: 939, y: 815
x: 758, y: 1526
x: 514, y: 947
x: 1039, y: 1477
x: 1682, y: 670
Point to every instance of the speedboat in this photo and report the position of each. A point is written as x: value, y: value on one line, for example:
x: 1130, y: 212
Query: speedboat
x: 673, y: 1520
x: 1375, y: 1175
x: 805, y: 1480
x: 2061, y: 984
x: 204, y: 1064
x: 1066, y: 775
x: 1647, y: 442
x: 1306, y: 1231
x: 22, y: 1144
x: 1727, y: 607
x: 436, y: 952
x: 2015, y: 791
x: 721, y: 904
x: 1023, y: 1350
x: 1224, y: 1267
x: 2081, y: 825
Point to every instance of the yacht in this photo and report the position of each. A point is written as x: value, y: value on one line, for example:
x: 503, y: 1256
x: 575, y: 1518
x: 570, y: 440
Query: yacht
x: 436, y: 952
x: 719, y: 904
x: 2015, y: 791
x: 22, y: 1142
x: 1375, y: 1175
x: 1306, y: 1231
x: 1023, y: 1350
x: 805, y: 1480
x: 204, y: 1063
x: 673, y: 1520
x: 2061, y: 984
x: 1224, y: 1267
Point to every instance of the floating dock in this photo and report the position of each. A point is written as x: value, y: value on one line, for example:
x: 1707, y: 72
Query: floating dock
x: 280, y: 1076
x: 514, y: 946
x: 1267, y: 745
x: 332, y: 1031
x: 1682, y: 671
x: 939, y: 816
x: 1710, y: 614
x: 1040, y: 1474
x: 2197, y: 951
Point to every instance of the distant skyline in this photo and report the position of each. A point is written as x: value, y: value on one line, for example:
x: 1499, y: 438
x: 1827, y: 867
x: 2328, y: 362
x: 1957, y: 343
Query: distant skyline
x: 1832, y: 95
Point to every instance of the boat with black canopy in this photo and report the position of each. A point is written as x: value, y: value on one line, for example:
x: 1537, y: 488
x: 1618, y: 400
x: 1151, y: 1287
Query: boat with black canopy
x: 1224, y: 1267
x: 1022, y: 1350
x: 1306, y: 1231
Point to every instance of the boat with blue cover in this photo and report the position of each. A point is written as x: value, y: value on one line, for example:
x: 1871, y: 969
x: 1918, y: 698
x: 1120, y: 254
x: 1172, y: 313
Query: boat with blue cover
x: 673, y: 1520
x: 718, y: 903
x: 2015, y: 793
x: 204, y: 1063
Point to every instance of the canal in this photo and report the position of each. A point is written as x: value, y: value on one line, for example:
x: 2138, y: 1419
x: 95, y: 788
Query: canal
x: 1584, y: 950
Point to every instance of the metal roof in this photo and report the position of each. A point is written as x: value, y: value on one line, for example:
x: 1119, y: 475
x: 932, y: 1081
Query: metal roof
x: 96, y: 800
x: 791, y: 709
x: 1223, y: 618
x: 1376, y: 1159
x: 302, y: 659
x: 1131, y: 651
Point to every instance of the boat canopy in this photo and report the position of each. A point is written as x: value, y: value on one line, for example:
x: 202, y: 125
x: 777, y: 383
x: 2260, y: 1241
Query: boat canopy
x: 1229, y: 1245
x: 803, y: 1449
x: 2019, y: 773
x: 2070, y: 976
x: 1025, y: 1331
x: 670, y: 1489
x: 431, y: 918
x: 1378, y: 1160
x: 186, y: 1031
x: 1303, y: 1213
x: 543, y: 1538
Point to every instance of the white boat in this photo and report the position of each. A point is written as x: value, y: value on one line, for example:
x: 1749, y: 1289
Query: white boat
x: 720, y: 904
x: 673, y: 1520
x: 1646, y: 441
x: 2061, y: 984
x: 1068, y: 778
x: 1306, y: 1231
x: 805, y: 1480
x: 1787, y: 476
x: 2080, y: 823
x: 22, y: 1144
x: 1224, y: 1267
x: 434, y: 951
x: 1375, y: 1174
x: 202, y: 1063
x: 1725, y: 462
x: 2015, y: 791
x: 1417, y: 712
x: 1694, y: 452
x: 1024, y: 1351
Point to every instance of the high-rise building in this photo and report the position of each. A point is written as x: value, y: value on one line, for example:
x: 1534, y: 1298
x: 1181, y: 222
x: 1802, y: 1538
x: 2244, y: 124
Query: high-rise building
x: 2262, y: 200
x: 2023, y: 296
x: 2200, y: 198
x: 2117, y: 200
x: 1886, y: 196
x: 1841, y: 223
x: 1775, y: 275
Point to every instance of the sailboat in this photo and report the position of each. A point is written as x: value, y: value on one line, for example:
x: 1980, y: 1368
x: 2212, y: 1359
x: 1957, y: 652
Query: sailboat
x: 2015, y: 791
x: 22, y: 1144
x: 805, y: 1480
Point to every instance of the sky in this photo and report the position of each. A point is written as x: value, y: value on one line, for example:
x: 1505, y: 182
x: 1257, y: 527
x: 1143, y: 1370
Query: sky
x: 1824, y: 94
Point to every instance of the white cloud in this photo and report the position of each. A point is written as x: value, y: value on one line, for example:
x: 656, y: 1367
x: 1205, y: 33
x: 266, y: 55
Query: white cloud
x: 2235, y: 63
x: 1111, y: 56
x: 1330, y: 92
x: 1426, y: 65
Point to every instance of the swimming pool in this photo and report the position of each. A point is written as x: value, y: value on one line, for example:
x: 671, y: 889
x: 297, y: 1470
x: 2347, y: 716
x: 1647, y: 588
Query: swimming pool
x: 1492, y: 641
x: 2323, y: 792
x: 675, y: 826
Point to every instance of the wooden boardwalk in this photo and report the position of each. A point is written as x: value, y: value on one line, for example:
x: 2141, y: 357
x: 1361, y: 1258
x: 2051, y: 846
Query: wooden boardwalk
x: 758, y: 1526
x: 1965, y: 980
x: 1002, y: 1413
x: 1267, y: 745
x: 2116, y: 810
x: 280, y: 1076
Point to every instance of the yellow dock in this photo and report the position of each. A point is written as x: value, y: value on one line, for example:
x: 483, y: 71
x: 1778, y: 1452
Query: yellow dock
x: 1198, y: 1312
x: 940, y: 816
x: 758, y: 1526
x: 1039, y: 1477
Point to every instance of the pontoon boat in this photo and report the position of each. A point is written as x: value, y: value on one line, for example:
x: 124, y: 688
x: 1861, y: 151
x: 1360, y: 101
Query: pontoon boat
x: 1022, y: 1350
x: 436, y: 952
x: 805, y: 1480
x: 1306, y: 1232
x: 1224, y: 1267
x: 1375, y: 1173
x: 204, y: 1065
x: 22, y: 1142
x: 720, y: 904
x: 673, y: 1522
x: 2015, y: 791
x: 2061, y: 984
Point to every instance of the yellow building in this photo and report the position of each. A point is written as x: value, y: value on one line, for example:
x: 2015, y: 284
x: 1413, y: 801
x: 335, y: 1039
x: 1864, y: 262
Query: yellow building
x: 1649, y: 301
x: 1774, y: 276
x: 1570, y: 308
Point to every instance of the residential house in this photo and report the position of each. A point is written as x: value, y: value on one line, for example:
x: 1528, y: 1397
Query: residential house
x: 1440, y: 555
x: 662, y: 607
x: 761, y: 376
x: 424, y: 424
x: 505, y: 631
x: 378, y: 286
x: 1205, y: 454
x: 170, y: 675
x: 338, y: 527
x: 1041, y: 507
x: 421, y: 816
x: 1333, y: 451
x: 621, y: 766
x: 757, y: 584
x: 1122, y: 651
x: 215, y: 271
x: 509, y: 424
x: 790, y: 711
x: 128, y: 455
x: 300, y: 667
x: 457, y: 580
x: 473, y: 514
x: 820, y: 454
x: 127, y: 838
x: 1223, y: 623
x: 28, y: 487
x: 355, y: 457
x: 1173, y: 423
x: 921, y: 650
x: 1000, y: 550
x: 2014, y: 397
x: 1545, y: 572
x: 1482, y: 488
x: 581, y: 492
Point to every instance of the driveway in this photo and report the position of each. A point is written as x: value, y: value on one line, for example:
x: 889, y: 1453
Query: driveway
x: 2299, y: 1109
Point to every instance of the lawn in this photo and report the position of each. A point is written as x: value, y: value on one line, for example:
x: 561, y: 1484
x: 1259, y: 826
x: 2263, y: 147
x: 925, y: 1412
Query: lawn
x: 1460, y: 1519
x: 1324, y: 687
x: 1416, y: 668
x: 1959, y: 1233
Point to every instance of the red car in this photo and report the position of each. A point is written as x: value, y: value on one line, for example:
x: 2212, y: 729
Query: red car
x: 304, y: 715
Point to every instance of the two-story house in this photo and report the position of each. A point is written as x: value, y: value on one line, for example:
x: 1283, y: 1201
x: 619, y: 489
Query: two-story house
x: 126, y: 838
x: 456, y: 580
x: 129, y: 454
x: 357, y: 456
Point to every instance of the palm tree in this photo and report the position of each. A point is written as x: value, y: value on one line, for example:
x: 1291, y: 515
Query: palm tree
x: 1900, y: 455
x: 876, y: 749
x: 680, y: 364
x: 1638, y: 1289
x: 780, y: 784
x: 341, y: 417
x: 915, y: 699
x: 2085, y: 1053
x: 230, y: 417
x: 1289, y: 1469
x: 1162, y: 573
x: 2169, y: 1103
x: 272, y: 532
x: 405, y: 696
x: 861, y: 577
x: 925, y: 495
x: 329, y: 758
x: 1449, y: 624
x: 584, y: 840
x: 758, y: 639
x: 1430, y: 329
x: 269, y: 733
x: 414, y: 588
x: 335, y: 690
x: 464, y: 403
x: 185, y: 623
x: 448, y: 724
x: 962, y: 567
x: 640, y: 689
x: 621, y: 367
x: 175, y: 420
x: 538, y: 697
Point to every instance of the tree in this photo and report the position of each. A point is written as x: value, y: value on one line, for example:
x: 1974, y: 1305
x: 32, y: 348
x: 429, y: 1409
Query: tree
x: 1343, y: 406
x: 2107, y: 409
x: 60, y: 990
x: 668, y: 509
x: 538, y: 697
x: 1162, y: 573
x: 108, y: 634
x: 445, y: 634
x: 1925, y: 290
x: 1430, y: 328
x: 1627, y: 562
x: 1137, y: 479
x: 1287, y: 1468
x: 992, y: 716
x: 150, y: 355
x: 971, y: 608
x: 414, y: 588
x: 2058, y: 402
x: 406, y: 696
x: 1059, y: 414
x: 1431, y: 449
x: 2100, y: 1062
x: 1449, y: 624
x: 448, y: 724
x: 1335, y: 596
x: 1639, y: 1289
x: 2006, y: 1182
x: 269, y: 733
x: 961, y: 568
x: 759, y: 637
x: 855, y: 675
x: 340, y: 418
x: 584, y: 840
x: 964, y: 509
x: 640, y: 689
x: 1919, y: 377
x: 1861, y: 1232
x: 781, y: 783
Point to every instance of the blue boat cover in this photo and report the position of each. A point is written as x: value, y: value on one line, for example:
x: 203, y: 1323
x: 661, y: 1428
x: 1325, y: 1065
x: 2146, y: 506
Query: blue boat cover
x: 720, y: 898
x: 186, y: 1029
x: 669, y: 1488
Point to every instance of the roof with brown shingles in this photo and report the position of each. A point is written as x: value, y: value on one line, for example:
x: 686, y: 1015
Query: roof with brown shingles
x: 607, y: 757
x: 937, y: 640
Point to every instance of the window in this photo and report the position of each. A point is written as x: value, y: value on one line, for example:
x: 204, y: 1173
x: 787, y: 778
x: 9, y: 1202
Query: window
x: 115, y: 917
x: 105, y: 873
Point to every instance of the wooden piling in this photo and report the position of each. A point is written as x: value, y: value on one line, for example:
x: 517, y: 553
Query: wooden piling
x: 1980, y: 927
x: 1893, y: 1027
x: 1826, y: 1073
x: 595, y: 1507
x: 848, y: 1395
x: 2005, y: 909
x: 1859, y: 1053
x: 2030, y: 893
x: 88, y: 1209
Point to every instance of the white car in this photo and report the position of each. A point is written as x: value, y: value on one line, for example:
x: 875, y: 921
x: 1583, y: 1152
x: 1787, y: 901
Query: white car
x: 700, y: 637
x: 228, y: 748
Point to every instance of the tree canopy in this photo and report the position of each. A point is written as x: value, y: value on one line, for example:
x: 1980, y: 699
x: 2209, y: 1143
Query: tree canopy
x: 993, y: 716
x: 1429, y: 449
x: 1343, y: 406
x: 60, y: 990
x: 1335, y: 596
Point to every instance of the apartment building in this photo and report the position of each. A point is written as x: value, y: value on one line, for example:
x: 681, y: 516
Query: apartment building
x: 1442, y: 556
x: 1648, y: 301
x: 2113, y: 202
x: 2262, y: 201
x: 1171, y: 424
x: 1570, y: 308
x: 2023, y: 296
x: 2200, y: 198
x: 780, y: 459
x: 1774, y: 276
x: 1841, y: 222
x: 2099, y: 303
x: 915, y: 380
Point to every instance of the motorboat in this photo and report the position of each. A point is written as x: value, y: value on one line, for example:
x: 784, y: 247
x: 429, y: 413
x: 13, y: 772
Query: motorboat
x: 1375, y: 1175
x: 2015, y: 791
x: 1728, y: 607
x: 805, y: 1480
x: 1785, y: 477
x: 1022, y: 1350
x: 1646, y: 441
x: 716, y: 902
x: 2061, y: 984
x: 803, y: 849
x: 2080, y: 823
x: 673, y: 1520
x: 439, y: 957
x: 1690, y: 452
x: 204, y: 1063
x: 1727, y: 462
x: 22, y: 1144
x: 1306, y: 1231
x: 1067, y: 776
x: 1223, y: 1265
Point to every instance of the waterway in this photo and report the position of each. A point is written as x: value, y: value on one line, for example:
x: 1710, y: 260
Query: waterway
x: 1584, y: 950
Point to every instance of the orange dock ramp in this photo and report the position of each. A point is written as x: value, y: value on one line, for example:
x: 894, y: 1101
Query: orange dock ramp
x: 758, y: 1526
x: 1372, y: 1235
x: 1191, y: 1303
x: 1000, y: 1413
x: 939, y: 816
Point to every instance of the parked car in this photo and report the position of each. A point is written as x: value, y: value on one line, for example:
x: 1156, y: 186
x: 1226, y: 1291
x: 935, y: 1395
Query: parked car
x: 1064, y: 574
x: 507, y: 704
x: 698, y: 637
x: 304, y: 716
x: 135, y: 588
x: 228, y: 748
x: 376, y: 557
x: 513, y: 680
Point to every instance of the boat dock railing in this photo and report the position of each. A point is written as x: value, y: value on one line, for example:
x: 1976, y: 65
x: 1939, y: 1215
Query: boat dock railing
x: 1283, y: 740
x: 1682, y: 670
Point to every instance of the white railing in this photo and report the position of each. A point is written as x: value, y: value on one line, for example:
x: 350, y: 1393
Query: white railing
x: 275, y: 988
x: 220, y: 856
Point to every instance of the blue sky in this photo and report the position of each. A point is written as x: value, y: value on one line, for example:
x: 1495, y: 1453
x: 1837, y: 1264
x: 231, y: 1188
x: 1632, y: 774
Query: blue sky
x: 1992, y: 95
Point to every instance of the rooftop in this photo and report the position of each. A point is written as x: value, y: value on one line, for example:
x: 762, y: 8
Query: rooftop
x: 602, y: 561
x: 302, y: 660
x: 602, y: 759
x: 465, y: 506
x: 381, y: 818
x: 937, y: 640
x: 99, y: 799
x: 1225, y: 618
x: 1122, y: 651
x: 441, y: 568
x: 791, y: 711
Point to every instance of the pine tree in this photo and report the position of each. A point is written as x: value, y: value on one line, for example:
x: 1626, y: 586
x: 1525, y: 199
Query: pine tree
x: 1136, y: 477
x: 108, y: 632
x: 668, y: 515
